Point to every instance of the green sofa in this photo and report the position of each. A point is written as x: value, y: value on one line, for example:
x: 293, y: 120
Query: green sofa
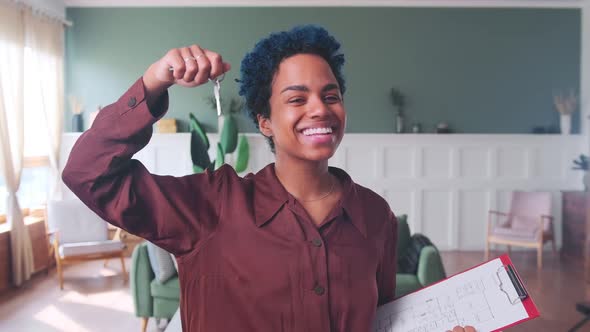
x: 150, y: 297
x: 429, y: 268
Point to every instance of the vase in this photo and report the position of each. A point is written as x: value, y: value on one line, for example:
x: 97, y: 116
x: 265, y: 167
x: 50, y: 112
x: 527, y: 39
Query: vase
x: 586, y: 180
x: 399, y: 123
x: 565, y: 124
x: 77, y: 123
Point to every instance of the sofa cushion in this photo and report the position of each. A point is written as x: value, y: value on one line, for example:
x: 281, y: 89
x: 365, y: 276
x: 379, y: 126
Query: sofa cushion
x: 408, y: 262
x: 88, y: 248
x: 169, y: 289
x: 403, y: 235
x: 405, y: 284
x: 162, y: 263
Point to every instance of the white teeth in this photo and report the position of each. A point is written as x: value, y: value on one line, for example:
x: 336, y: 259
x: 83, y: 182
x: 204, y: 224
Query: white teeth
x: 314, y: 131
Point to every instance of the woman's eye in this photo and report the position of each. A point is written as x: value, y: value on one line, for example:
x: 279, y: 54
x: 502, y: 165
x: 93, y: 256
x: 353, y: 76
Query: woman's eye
x: 332, y: 98
x: 296, y: 100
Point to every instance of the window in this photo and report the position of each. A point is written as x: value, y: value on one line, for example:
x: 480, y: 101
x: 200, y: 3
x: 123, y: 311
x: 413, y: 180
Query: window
x: 34, y: 186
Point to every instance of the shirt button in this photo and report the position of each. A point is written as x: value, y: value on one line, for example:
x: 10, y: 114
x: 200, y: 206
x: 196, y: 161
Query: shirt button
x: 132, y: 101
x: 316, y: 242
x: 319, y: 290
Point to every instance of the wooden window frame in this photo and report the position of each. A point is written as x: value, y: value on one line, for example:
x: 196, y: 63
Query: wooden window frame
x: 29, y: 162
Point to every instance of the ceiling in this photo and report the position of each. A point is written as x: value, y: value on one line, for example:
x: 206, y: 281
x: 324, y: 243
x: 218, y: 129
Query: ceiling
x: 335, y: 3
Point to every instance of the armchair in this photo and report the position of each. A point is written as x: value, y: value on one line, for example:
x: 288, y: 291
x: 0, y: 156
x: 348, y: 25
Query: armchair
x: 528, y: 224
x: 151, y: 298
x: 419, y: 262
x: 79, y: 234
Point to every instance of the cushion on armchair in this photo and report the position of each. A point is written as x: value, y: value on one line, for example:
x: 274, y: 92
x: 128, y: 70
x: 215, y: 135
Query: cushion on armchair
x: 408, y: 263
x: 403, y: 236
x: 162, y: 263
x: 167, y: 290
x: 419, y: 262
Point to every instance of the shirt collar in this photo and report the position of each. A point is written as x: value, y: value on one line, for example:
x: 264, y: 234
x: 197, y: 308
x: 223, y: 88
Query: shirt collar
x: 351, y: 201
x: 270, y: 196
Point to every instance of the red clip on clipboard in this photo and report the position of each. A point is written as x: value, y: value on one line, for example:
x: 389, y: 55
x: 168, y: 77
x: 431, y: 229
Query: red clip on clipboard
x: 525, y: 299
x: 490, y: 296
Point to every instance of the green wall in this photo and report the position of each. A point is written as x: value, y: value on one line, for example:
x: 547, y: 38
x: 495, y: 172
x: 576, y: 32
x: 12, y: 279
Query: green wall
x: 481, y: 70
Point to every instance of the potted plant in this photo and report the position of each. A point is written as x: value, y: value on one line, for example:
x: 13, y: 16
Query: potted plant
x: 229, y: 142
x: 582, y: 164
x: 399, y: 102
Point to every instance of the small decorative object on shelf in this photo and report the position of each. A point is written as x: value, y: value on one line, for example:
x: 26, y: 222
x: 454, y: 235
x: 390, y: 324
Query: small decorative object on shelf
x: 565, y: 105
x: 399, y: 102
x: 166, y: 126
x: 582, y: 164
x: 416, y: 128
x: 443, y: 128
x: 77, y: 120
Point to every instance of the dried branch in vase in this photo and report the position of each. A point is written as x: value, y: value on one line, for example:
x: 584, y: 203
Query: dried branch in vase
x: 75, y: 105
x: 565, y: 105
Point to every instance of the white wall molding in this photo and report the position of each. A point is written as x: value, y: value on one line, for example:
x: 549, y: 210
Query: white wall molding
x: 445, y: 183
x: 331, y: 3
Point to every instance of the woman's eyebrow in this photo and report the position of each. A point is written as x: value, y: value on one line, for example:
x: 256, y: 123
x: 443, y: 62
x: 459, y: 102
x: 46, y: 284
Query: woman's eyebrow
x: 303, y: 88
x: 296, y: 88
x: 331, y: 86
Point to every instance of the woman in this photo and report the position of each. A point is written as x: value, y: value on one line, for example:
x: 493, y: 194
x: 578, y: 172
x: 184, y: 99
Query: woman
x: 296, y: 247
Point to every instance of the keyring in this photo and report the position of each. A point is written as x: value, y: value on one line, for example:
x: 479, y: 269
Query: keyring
x: 218, y: 79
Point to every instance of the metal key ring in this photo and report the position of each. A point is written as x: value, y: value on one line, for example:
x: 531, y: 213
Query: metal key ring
x: 218, y: 80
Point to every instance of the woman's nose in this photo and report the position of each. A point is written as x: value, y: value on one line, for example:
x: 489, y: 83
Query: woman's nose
x: 318, y: 108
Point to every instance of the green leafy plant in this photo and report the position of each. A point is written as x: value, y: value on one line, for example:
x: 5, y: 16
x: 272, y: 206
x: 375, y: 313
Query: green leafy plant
x: 233, y: 107
x: 581, y: 163
x: 398, y: 99
x: 229, y: 142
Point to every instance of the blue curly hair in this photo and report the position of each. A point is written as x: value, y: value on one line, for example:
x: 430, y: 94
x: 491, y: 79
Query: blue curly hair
x: 260, y: 65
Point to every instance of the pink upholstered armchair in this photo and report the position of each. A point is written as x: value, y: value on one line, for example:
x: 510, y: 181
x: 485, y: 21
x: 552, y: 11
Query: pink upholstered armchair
x: 529, y: 223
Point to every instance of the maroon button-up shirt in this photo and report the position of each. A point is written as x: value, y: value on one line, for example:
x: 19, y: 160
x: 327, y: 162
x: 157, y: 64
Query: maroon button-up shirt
x: 249, y: 256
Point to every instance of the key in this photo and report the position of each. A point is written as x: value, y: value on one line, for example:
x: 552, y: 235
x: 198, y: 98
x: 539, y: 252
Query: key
x: 216, y: 90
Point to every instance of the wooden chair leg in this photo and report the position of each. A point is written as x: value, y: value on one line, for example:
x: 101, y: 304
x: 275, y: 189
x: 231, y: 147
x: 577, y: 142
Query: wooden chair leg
x: 554, y: 247
x: 144, y: 323
x: 60, y: 277
x: 509, y: 250
x: 125, y: 277
x: 487, y: 251
x: 540, y: 257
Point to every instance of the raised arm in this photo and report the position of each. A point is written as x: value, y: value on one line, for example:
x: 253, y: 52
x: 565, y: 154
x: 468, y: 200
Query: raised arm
x: 175, y: 213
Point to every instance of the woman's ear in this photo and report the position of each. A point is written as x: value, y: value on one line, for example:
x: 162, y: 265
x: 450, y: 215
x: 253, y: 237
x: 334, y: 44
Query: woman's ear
x: 264, y: 125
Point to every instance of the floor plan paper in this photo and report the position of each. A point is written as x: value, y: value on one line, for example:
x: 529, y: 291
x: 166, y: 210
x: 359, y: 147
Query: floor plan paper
x: 483, y: 297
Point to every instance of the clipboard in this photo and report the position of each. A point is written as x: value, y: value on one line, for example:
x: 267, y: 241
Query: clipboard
x: 490, y: 296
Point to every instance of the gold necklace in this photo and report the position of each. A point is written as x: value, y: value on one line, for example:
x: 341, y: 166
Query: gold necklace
x: 324, y: 196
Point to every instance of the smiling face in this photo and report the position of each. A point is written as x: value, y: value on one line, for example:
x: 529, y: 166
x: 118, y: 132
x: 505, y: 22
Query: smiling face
x: 307, y: 116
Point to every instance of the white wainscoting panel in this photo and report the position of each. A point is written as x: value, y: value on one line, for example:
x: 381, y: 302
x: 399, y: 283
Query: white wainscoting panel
x: 445, y: 183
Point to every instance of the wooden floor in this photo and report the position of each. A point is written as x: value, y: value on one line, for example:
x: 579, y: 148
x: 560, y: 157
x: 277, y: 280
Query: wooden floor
x: 96, y: 299
x: 555, y: 289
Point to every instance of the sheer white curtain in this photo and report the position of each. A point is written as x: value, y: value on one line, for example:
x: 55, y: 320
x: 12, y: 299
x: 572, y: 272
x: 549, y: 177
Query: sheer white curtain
x: 44, y: 56
x: 12, y: 45
x: 31, y: 94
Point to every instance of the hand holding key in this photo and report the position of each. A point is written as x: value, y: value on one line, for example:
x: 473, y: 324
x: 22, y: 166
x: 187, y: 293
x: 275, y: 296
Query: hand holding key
x: 186, y: 66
